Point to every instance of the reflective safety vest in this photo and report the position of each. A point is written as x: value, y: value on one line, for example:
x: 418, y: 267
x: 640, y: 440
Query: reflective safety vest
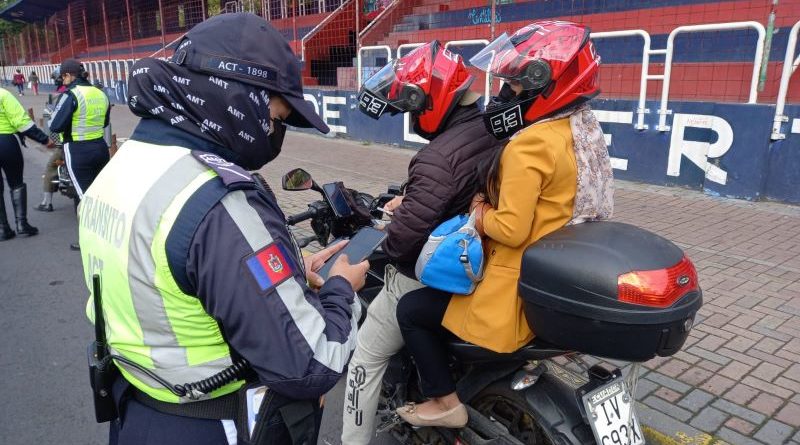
x: 13, y: 117
x: 89, y: 119
x: 124, y: 220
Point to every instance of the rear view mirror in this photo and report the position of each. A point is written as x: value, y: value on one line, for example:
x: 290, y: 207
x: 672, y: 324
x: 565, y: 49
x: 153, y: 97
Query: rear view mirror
x: 297, y: 179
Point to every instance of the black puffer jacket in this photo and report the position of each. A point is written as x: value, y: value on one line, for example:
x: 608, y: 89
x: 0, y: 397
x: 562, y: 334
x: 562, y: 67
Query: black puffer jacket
x: 442, y: 179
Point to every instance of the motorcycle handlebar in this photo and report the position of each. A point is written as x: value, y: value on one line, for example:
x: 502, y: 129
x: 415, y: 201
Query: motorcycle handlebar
x: 300, y: 217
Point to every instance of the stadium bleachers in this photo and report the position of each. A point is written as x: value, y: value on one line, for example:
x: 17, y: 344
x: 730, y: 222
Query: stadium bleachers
x: 725, y: 55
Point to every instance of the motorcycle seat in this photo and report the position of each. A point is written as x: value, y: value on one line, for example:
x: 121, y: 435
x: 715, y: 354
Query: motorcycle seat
x: 535, y: 350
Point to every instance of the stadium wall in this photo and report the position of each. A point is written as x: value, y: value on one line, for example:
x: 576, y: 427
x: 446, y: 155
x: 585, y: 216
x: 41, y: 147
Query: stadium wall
x: 718, y: 148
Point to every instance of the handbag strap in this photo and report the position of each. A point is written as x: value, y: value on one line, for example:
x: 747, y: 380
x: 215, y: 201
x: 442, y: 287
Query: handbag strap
x: 465, y: 261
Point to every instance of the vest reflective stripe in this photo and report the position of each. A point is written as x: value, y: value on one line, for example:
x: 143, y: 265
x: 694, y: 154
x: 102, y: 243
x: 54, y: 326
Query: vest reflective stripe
x: 89, y: 118
x: 149, y: 320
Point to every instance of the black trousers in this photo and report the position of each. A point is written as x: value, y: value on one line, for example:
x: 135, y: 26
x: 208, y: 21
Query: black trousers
x: 141, y: 425
x: 420, y: 315
x: 11, y: 163
x: 84, y: 161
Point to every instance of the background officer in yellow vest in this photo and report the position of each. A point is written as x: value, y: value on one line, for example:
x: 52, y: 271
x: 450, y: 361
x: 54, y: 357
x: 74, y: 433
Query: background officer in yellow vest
x: 208, y: 315
x: 14, y: 121
x: 82, y: 117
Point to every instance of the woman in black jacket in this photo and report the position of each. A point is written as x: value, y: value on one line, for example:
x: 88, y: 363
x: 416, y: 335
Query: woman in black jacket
x: 432, y: 84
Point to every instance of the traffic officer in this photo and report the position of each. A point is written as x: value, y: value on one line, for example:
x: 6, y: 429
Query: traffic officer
x: 14, y: 121
x: 81, y: 116
x: 199, y: 273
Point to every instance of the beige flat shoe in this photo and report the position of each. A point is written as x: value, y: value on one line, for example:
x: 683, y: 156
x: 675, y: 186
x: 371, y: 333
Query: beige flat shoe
x: 454, y: 418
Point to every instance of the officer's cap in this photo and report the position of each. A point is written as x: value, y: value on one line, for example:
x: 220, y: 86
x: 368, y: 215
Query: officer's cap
x: 246, y: 48
x: 71, y: 66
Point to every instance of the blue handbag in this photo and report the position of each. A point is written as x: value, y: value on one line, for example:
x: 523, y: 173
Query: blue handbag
x: 452, y: 258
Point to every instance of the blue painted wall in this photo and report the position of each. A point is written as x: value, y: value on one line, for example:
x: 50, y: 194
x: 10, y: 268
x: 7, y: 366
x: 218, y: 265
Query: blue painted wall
x: 721, y: 149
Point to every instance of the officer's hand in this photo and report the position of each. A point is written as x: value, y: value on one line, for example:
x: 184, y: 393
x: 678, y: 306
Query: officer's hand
x: 315, y: 262
x: 356, y: 274
x: 50, y: 144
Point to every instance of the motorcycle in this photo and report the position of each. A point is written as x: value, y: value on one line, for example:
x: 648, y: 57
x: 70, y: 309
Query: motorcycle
x: 544, y: 393
x: 63, y: 182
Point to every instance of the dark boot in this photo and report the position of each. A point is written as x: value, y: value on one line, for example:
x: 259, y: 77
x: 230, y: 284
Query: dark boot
x: 5, y: 230
x: 19, y: 197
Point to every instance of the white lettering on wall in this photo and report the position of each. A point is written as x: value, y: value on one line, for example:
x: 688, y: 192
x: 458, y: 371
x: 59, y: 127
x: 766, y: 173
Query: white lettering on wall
x: 614, y: 117
x: 408, y: 133
x: 699, y: 152
x: 328, y: 113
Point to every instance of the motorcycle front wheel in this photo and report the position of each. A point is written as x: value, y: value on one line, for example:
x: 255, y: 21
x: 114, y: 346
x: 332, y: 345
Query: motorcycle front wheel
x: 503, y: 405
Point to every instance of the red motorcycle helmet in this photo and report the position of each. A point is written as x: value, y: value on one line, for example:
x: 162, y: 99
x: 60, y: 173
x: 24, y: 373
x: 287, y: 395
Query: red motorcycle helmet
x: 428, y: 82
x: 553, y: 61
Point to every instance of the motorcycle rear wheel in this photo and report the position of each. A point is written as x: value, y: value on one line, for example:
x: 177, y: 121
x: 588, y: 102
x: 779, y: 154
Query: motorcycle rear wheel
x: 501, y: 404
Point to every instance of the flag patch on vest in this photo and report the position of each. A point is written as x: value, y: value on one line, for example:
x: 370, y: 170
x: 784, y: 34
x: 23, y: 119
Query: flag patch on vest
x: 270, y: 266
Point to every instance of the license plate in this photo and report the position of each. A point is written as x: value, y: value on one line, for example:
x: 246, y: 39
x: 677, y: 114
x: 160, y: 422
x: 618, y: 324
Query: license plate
x: 608, y: 408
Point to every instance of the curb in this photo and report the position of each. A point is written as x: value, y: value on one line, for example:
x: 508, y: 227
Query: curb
x: 661, y: 429
x: 655, y: 437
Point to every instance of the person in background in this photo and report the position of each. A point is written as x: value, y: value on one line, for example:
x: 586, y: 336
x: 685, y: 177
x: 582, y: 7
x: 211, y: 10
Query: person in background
x: 554, y: 171
x: 19, y: 82
x: 15, y: 124
x: 34, y: 83
x: 432, y: 84
x: 82, y: 116
x: 57, y: 157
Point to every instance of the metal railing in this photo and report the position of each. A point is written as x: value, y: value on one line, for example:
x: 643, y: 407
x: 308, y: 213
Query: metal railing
x: 359, y: 64
x: 670, y: 50
x: 789, y: 67
x: 321, y: 25
x: 641, y: 109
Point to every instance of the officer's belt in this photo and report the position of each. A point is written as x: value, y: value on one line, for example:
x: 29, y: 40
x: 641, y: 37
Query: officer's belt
x: 224, y: 407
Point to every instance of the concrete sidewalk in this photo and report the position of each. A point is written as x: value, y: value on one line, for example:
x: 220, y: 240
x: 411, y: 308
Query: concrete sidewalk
x: 737, y: 380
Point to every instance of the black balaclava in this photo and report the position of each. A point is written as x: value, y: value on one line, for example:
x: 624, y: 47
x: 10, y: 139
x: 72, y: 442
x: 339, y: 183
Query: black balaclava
x: 231, y: 114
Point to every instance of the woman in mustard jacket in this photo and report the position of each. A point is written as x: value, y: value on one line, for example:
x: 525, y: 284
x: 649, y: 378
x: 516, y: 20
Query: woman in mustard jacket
x: 554, y: 171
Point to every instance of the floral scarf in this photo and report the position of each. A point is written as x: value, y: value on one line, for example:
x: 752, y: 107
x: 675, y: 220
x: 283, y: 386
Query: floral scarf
x: 594, y: 197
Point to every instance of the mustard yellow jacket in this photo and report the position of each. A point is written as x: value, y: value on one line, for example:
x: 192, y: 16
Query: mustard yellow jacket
x: 538, y: 181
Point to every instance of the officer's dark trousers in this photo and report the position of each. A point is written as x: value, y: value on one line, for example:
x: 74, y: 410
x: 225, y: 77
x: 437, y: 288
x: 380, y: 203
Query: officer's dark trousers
x: 84, y: 161
x: 11, y: 162
x: 142, y: 425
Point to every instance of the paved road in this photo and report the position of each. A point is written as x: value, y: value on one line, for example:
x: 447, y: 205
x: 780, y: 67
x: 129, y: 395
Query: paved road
x: 738, y: 378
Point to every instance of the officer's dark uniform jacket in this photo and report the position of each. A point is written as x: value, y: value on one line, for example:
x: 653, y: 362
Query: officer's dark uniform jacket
x: 85, y: 144
x: 61, y: 120
x: 296, y: 340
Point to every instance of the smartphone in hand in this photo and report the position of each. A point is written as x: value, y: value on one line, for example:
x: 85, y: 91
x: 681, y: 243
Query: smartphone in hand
x: 360, y: 247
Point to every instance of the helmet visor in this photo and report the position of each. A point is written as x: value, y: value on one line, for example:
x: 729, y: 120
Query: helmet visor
x: 384, y: 92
